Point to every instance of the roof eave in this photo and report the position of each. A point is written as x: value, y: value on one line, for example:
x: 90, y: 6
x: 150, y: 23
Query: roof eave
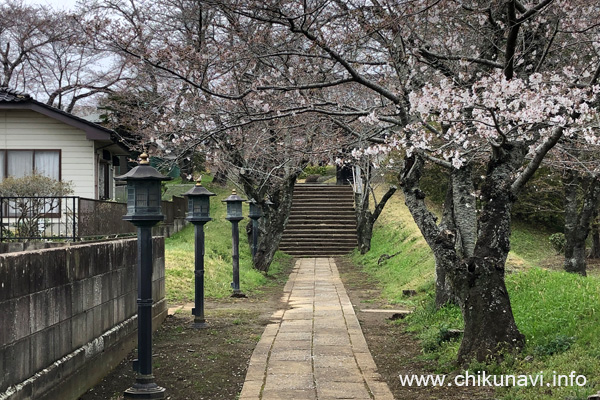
x: 92, y: 131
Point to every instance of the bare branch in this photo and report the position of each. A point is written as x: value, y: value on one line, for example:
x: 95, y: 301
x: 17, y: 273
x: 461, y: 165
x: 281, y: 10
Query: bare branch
x: 540, y: 153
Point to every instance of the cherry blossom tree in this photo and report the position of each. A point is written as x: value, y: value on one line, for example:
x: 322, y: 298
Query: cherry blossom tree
x: 505, y: 99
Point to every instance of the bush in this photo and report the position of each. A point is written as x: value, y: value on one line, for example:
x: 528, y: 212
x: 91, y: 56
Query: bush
x: 35, y: 185
x: 313, y: 170
x: 558, y: 242
x: 35, y: 207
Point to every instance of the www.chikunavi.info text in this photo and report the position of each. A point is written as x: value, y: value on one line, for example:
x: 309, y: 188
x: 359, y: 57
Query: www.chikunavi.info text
x: 482, y: 378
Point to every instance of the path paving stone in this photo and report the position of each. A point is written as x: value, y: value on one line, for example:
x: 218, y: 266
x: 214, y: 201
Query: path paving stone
x: 314, y: 349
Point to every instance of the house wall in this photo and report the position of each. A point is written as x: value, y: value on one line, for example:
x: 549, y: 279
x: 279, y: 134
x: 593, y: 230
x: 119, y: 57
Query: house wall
x: 68, y: 316
x: 24, y: 129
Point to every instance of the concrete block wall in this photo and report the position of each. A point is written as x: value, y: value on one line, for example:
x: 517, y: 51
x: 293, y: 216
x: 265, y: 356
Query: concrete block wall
x: 68, y: 315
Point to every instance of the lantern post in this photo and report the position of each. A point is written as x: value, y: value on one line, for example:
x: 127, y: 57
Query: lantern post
x: 144, y: 211
x: 199, y: 214
x: 234, y: 215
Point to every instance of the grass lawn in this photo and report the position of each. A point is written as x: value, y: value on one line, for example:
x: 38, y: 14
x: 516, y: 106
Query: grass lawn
x: 179, y: 254
x: 559, y: 313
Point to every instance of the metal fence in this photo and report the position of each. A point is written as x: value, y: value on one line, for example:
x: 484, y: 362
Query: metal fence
x: 31, y: 218
x: 71, y: 218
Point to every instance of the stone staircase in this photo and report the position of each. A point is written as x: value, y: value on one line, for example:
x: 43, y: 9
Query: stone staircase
x: 322, y: 221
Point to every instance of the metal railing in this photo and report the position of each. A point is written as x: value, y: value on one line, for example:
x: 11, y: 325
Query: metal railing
x: 36, y: 218
x: 71, y: 218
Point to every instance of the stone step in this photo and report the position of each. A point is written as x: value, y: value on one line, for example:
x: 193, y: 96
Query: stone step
x: 317, y: 216
x: 327, y: 188
x: 321, y: 233
x: 322, y: 195
x: 323, y: 217
x: 309, y: 232
x: 323, y: 249
x: 314, y: 224
x: 322, y: 221
x: 319, y: 241
x: 316, y: 253
x: 331, y: 207
x: 319, y: 245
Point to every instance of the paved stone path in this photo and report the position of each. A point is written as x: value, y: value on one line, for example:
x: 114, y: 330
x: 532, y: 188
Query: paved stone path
x: 315, y: 349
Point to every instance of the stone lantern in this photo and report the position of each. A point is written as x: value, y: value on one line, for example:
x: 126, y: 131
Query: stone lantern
x: 144, y: 211
x: 234, y: 215
x: 199, y: 214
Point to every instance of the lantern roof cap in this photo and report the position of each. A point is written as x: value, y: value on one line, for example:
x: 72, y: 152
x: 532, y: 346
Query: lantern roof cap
x: 234, y: 197
x: 144, y: 171
x: 199, y: 190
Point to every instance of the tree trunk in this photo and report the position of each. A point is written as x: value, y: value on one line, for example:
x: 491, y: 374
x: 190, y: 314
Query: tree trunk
x: 272, y: 224
x: 575, y: 261
x: 574, y: 249
x: 490, y: 328
x: 578, y: 220
x: 478, y: 280
x: 220, y: 178
x: 595, y: 250
x: 365, y: 219
x: 464, y: 210
x: 444, y: 292
x: 364, y: 230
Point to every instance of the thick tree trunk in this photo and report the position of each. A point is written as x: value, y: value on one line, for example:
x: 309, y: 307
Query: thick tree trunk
x: 477, y: 280
x: 444, y: 292
x: 364, y: 230
x: 578, y: 220
x: 575, y: 260
x: 220, y: 178
x: 272, y: 224
x: 490, y: 327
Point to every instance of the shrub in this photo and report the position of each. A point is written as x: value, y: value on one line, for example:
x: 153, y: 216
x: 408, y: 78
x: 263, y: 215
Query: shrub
x: 31, y: 210
x: 313, y: 170
x: 35, y: 185
x: 558, y: 242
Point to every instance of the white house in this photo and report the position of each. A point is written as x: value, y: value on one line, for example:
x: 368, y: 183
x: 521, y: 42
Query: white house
x: 35, y: 136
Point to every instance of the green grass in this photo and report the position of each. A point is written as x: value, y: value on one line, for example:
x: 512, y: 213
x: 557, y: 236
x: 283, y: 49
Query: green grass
x: 179, y: 257
x: 529, y: 244
x: 559, y: 313
x: 411, y: 266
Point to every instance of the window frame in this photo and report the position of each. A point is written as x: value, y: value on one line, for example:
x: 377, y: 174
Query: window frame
x: 5, y: 151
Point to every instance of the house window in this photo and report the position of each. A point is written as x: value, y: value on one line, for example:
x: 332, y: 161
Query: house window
x: 19, y: 163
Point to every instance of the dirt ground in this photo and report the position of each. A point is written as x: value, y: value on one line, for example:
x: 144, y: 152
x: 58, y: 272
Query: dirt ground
x: 211, y: 363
